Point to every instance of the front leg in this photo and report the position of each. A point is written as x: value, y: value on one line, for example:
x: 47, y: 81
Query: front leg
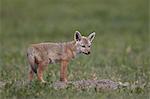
x: 63, y: 71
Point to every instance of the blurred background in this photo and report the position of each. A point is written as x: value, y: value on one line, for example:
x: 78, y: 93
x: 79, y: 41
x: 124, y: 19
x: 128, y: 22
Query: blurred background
x: 120, y: 50
x: 54, y: 18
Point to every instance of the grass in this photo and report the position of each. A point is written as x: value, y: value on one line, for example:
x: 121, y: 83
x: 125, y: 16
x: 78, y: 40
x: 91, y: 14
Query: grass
x: 120, y: 50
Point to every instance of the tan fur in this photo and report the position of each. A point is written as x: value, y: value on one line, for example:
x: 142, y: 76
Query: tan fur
x: 42, y: 54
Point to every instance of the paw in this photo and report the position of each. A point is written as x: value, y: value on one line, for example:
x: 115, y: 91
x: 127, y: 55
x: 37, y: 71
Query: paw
x: 43, y: 81
x: 64, y: 80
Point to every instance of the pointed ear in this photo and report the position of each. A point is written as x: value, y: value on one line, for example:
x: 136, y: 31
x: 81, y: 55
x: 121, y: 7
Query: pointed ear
x: 77, y: 36
x: 91, y: 36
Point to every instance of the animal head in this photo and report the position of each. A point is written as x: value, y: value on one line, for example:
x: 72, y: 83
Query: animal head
x: 83, y: 44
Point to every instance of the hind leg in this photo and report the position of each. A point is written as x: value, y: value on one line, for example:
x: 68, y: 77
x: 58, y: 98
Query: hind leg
x: 40, y: 70
x: 40, y: 73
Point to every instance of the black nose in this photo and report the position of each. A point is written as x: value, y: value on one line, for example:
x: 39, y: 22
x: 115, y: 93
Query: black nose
x: 88, y: 52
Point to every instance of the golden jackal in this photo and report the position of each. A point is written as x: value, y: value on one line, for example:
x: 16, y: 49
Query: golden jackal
x: 42, y: 54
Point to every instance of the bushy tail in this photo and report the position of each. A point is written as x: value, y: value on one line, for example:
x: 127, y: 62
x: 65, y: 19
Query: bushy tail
x: 32, y: 62
x: 34, y: 68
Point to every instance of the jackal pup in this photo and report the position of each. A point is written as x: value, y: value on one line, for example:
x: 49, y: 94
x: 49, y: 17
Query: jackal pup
x: 41, y: 54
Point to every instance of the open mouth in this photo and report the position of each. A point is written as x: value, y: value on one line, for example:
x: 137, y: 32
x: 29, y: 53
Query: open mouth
x: 86, y: 53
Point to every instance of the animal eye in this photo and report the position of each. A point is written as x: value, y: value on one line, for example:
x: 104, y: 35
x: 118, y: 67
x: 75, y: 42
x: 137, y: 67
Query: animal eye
x: 83, y: 45
x: 89, y: 46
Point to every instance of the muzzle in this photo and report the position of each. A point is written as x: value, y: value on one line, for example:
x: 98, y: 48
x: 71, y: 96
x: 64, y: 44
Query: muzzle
x: 87, y: 53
